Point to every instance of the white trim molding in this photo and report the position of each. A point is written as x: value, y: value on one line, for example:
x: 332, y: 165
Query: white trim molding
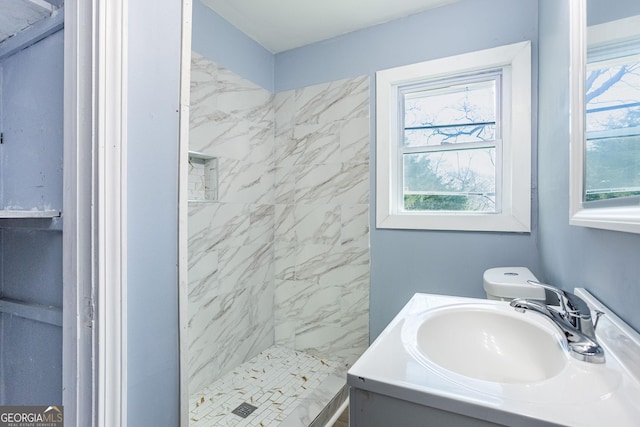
x: 111, y: 129
x: 617, y: 218
x: 94, y: 233
x: 79, y: 394
x: 95, y: 212
x: 183, y: 211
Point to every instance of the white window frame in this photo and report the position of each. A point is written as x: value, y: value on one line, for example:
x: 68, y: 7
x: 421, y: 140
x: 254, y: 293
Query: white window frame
x: 623, y: 217
x: 513, y: 181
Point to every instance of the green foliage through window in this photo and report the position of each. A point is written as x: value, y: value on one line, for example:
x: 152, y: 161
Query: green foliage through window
x: 431, y: 202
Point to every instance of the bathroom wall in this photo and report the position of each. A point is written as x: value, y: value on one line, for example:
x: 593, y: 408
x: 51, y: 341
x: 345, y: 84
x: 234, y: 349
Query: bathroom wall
x: 218, y: 40
x: 604, y: 262
x: 599, y: 11
x: 231, y: 239
x: 405, y: 261
x: 322, y: 219
x: 31, y: 101
x: 153, y: 86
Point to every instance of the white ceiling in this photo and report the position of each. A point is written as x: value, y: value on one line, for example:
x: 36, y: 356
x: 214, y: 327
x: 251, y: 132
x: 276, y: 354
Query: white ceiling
x: 280, y: 25
x: 16, y: 15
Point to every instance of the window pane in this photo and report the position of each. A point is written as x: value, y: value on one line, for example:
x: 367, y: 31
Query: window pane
x: 613, y: 167
x: 454, y: 114
x: 613, y: 94
x: 458, y: 180
x: 449, y: 135
x: 612, y: 148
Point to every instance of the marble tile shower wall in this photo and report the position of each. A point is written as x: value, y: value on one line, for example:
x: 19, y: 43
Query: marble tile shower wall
x: 322, y: 219
x: 282, y: 256
x: 231, y: 240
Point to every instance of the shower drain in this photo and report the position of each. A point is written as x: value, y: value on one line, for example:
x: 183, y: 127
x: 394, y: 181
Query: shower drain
x: 244, y: 410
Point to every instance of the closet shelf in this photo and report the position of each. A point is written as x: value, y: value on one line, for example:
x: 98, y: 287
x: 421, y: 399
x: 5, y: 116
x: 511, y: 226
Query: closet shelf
x: 39, y: 313
x: 10, y: 213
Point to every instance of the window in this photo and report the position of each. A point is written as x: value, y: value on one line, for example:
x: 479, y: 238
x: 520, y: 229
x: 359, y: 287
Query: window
x: 454, y: 142
x: 605, y: 123
x: 612, y: 124
x: 450, y: 135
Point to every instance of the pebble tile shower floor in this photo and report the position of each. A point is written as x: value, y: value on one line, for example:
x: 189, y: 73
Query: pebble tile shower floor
x: 276, y: 381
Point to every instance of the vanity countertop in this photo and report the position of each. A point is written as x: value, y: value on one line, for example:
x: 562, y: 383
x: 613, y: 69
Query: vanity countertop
x: 582, y: 394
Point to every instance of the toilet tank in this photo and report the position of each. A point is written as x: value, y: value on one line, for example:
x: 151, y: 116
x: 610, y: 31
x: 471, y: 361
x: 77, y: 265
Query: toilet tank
x: 507, y: 283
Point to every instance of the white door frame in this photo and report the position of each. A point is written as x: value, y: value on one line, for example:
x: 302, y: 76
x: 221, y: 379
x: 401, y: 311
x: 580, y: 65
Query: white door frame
x: 95, y: 212
x: 78, y: 334
x: 183, y: 211
x: 110, y: 102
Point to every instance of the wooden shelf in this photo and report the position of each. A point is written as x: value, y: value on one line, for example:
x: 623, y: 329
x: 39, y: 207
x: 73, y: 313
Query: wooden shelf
x: 29, y: 214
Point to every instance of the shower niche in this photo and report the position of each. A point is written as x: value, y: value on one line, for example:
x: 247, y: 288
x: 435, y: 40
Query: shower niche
x: 203, y: 177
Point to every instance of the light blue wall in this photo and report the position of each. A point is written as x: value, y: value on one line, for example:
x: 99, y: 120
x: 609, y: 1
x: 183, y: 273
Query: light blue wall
x: 31, y: 105
x: 31, y: 168
x: 599, y: 11
x: 457, y: 28
x: 219, y: 41
x: 603, y: 262
x: 153, y: 103
x: 404, y: 262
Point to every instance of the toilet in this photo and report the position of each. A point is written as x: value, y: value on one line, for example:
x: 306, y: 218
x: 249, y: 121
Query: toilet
x: 507, y: 283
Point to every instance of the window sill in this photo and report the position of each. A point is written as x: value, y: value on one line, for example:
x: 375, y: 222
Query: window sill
x: 626, y: 219
x: 455, y: 222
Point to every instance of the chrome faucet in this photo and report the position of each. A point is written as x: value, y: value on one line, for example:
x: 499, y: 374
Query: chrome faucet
x: 573, y: 317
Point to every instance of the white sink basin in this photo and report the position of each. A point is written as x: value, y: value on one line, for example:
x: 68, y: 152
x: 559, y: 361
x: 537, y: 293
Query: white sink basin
x: 491, y: 343
x: 483, y: 360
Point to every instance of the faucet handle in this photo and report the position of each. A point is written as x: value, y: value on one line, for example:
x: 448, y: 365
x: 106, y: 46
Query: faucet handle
x: 573, y: 318
x: 571, y: 304
x: 598, y: 315
x: 559, y: 293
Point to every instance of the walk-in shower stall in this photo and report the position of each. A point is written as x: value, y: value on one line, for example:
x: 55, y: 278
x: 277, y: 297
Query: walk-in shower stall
x: 278, y: 239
